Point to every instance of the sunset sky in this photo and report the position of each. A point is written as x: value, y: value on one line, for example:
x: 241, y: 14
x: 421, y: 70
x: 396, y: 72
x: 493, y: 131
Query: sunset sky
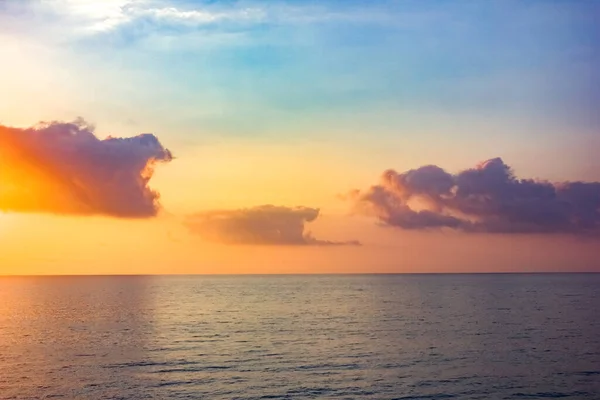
x: 198, y: 136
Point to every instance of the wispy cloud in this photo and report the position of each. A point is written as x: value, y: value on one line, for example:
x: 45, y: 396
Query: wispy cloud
x: 107, y: 17
x: 93, y: 15
x: 84, y: 18
x: 79, y: 18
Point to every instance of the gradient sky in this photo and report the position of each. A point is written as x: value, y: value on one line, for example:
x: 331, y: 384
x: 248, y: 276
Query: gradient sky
x: 292, y: 104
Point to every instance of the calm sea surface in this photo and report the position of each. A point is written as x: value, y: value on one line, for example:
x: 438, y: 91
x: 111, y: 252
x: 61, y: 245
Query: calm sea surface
x: 301, y: 337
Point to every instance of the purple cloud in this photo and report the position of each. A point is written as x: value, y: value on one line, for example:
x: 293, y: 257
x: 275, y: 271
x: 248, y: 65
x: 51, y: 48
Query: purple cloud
x: 64, y: 168
x: 487, y: 198
x: 261, y: 225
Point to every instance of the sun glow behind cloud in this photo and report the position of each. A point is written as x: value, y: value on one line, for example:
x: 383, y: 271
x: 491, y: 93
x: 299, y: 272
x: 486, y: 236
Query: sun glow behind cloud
x: 64, y: 168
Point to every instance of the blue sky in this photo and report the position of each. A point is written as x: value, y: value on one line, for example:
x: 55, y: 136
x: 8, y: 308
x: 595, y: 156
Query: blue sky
x: 287, y: 69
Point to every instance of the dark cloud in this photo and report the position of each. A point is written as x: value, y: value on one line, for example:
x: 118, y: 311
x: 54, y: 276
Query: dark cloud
x: 64, y: 168
x: 262, y: 225
x: 487, y: 198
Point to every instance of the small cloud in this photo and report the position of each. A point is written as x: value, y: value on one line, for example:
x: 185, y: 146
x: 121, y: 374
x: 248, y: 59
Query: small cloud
x: 487, y: 198
x: 64, y: 168
x: 104, y: 16
x: 261, y: 225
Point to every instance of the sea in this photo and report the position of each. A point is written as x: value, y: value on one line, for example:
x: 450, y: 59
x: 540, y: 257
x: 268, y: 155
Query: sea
x: 454, y: 336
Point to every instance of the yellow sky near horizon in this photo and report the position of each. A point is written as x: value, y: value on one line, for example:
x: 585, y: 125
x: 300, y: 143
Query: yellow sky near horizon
x: 230, y: 176
x: 43, y: 244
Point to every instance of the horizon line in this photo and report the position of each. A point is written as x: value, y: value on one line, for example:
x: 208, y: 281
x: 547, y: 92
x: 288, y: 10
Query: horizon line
x: 299, y: 274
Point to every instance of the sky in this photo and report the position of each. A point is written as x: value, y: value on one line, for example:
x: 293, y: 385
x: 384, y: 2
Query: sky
x: 202, y: 137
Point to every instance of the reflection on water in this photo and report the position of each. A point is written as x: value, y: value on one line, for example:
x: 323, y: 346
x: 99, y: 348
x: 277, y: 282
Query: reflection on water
x: 380, y: 337
x: 56, y: 332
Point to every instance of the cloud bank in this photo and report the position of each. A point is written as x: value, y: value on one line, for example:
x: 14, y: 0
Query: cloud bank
x: 261, y: 225
x: 64, y: 168
x: 488, y: 198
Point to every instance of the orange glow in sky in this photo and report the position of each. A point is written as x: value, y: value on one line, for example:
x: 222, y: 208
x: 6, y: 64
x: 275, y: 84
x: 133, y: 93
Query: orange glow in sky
x: 274, y: 118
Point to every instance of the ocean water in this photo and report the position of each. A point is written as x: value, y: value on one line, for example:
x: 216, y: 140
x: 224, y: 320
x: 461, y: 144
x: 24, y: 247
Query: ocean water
x: 301, y: 337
